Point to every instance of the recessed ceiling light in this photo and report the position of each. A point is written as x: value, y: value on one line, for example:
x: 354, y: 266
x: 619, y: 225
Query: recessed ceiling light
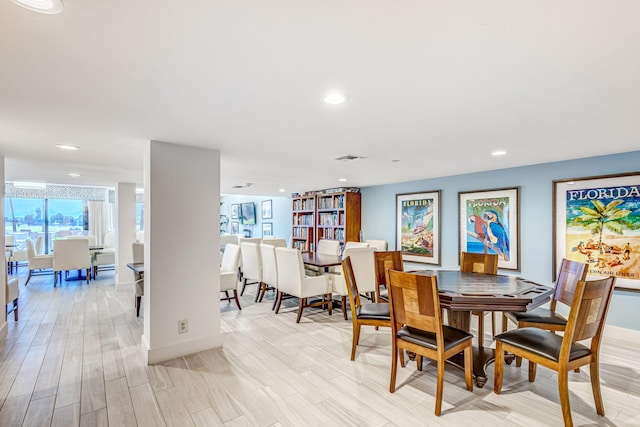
x: 282, y: 190
x: 74, y: 175
x: 499, y: 153
x: 42, y: 6
x: 334, y: 98
x: 342, y: 179
x: 67, y: 147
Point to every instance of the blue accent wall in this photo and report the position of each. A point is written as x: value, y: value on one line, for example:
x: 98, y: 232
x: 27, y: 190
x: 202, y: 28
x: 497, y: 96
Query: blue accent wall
x: 281, y: 212
x: 536, y: 189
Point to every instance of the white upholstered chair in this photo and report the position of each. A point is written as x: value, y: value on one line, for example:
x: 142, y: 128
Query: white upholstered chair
x: 228, y: 238
x: 292, y: 281
x: 71, y: 254
x: 364, y: 269
x: 278, y: 243
x: 349, y: 245
x: 137, y: 255
x: 251, y: 266
x: 12, y: 292
x: 379, y: 245
x: 107, y: 255
x: 328, y: 247
x: 229, y: 273
x: 269, y: 269
x: 37, y: 262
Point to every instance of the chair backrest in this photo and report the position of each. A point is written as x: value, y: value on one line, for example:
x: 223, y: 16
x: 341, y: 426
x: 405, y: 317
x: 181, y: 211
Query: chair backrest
x: 328, y: 247
x: 251, y: 261
x: 230, y: 258
x: 379, y: 245
x: 588, y: 314
x: 478, y: 263
x: 109, y: 240
x: 137, y: 251
x: 31, y: 252
x: 290, y: 270
x: 364, y: 267
x: 278, y: 243
x: 387, y: 260
x: 414, y: 302
x: 228, y: 238
x: 350, y: 245
x: 91, y: 240
x: 352, y: 286
x: 9, y: 240
x: 71, y: 254
x: 571, y: 272
x: 255, y: 240
x: 269, y: 264
x: 38, y: 248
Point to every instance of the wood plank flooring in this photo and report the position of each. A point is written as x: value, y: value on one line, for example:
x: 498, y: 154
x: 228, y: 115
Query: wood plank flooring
x: 74, y: 359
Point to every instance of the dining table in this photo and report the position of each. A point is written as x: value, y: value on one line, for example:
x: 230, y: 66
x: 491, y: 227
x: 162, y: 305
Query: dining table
x: 461, y: 293
x: 321, y: 260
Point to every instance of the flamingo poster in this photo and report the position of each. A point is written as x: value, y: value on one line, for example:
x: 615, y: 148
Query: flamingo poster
x: 489, y: 224
x: 597, y: 221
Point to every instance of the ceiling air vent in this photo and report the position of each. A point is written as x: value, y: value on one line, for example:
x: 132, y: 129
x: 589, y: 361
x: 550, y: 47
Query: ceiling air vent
x: 349, y: 158
x: 248, y: 184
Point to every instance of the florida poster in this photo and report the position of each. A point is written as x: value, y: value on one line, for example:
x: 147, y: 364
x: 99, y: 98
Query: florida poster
x: 418, y: 226
x: 489, y: 224
x: 598, y: 222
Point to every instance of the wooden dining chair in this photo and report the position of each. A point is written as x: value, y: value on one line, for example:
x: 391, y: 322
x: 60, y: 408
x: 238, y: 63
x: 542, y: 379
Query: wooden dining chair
x: 481, y: 264
x: 571, y: 272
x: 416, y: 326
x: 384, y: 261
x: 564, y: 353
x: 367, y: 314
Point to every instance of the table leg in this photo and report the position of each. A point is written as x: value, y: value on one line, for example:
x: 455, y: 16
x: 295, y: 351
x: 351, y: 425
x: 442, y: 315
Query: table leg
x: 482, y: 356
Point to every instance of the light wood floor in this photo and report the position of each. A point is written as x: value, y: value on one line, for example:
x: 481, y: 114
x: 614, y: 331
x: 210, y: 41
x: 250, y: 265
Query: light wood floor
x: 74, y: 358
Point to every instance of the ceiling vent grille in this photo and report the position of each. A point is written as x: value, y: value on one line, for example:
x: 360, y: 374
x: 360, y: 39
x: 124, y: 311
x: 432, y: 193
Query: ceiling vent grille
x: 248, y: 184
x: 349, y: 158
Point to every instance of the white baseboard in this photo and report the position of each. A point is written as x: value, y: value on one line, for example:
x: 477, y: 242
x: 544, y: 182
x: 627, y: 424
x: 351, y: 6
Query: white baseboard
x: 179, y: 349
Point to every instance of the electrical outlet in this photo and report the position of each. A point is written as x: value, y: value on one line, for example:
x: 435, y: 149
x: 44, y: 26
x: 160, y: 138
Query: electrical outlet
x: 183, y: 326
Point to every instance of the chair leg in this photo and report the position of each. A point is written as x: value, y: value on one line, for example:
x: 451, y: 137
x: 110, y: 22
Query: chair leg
x: 138, y: 298
x: 55, y: 279
x: 15, y: 315
x: 356, y: 340
x: 275, y: 300
x: 468, y: 367
x: 344, y: 308
x: 394, y: 365
x: 303, y: 302
x: 244, y: 285
x: 439, y: 387
x: 595, y: 385
x: 532, y: 371
x: 259, y: 291
x: 280, y: 294
x: 493, y: 325
x: 563, y: 386
x: 498, y: 369
x: 28, y: 278
x: 481, y: 328
x: 419, y: 362
x: 505, y: 322
x: 235, y: 296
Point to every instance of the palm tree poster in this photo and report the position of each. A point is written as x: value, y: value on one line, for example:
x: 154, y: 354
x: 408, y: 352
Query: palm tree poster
x: 489, y: 224
x: 597, y: 222
x: 418, y: 226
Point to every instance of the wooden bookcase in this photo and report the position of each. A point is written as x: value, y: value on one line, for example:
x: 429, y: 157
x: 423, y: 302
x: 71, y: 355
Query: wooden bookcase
x: 303, y: 223
x: 338, y: 216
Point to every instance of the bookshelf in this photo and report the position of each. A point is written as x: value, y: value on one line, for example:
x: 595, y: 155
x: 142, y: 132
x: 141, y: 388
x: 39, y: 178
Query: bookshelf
x: 338, y: 216
x: 303, y: 222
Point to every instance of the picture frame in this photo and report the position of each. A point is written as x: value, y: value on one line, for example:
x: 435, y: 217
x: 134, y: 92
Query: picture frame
x: 489, y: 222
x: 418, y: 226
x: 235, y: 227
x: 267, y: 229
x: 235, y: 211
x: 267, y: 209
x: 596, y: 220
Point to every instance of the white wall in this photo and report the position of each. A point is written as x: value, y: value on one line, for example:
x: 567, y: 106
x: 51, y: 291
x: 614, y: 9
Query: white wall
x: 535, y: 182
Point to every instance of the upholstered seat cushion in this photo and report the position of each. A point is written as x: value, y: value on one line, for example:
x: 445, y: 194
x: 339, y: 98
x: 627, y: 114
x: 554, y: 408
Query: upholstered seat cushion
x: 451, y: 336
x: 543, y: 343
x: 540, y: 315
x: 373, y: 311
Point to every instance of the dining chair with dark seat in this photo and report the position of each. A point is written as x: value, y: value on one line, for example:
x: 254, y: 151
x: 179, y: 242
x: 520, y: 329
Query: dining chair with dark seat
x: 481, y: 264
x: 416, y: 326
x: 367, y: 314
x: 564, y: 353
x: 385, y: 261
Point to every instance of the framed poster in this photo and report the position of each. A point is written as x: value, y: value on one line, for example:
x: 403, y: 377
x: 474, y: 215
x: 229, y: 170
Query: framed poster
x: 418, y: 226
x: 235, y: 211
x: 267, y: 206
x: 267, y: 229
x: 489, y: 223
x: 596, y: 220
x: 235, y: 227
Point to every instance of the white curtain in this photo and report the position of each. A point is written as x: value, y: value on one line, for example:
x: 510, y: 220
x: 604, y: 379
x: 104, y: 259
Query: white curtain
x: 98, y: 220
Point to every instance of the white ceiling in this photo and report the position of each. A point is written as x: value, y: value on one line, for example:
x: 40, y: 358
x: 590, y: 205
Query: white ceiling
x: 437, y: 85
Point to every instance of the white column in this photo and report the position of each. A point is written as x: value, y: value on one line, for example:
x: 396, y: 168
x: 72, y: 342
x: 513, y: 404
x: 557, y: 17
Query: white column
x: 3, y: 277
x: 125, y: 227
x: 182, y: 250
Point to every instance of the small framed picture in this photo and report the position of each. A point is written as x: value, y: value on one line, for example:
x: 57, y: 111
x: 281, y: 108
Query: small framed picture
x: 267, y: 229
x: 235, y: 227
x: 418, y: 226
x: 235, y: 211
x: 267, y: 206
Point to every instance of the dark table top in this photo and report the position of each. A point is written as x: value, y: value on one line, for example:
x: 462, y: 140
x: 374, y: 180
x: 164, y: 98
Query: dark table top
x: 136, y: 267
x: 486, y: 292
x: 319, y: 260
